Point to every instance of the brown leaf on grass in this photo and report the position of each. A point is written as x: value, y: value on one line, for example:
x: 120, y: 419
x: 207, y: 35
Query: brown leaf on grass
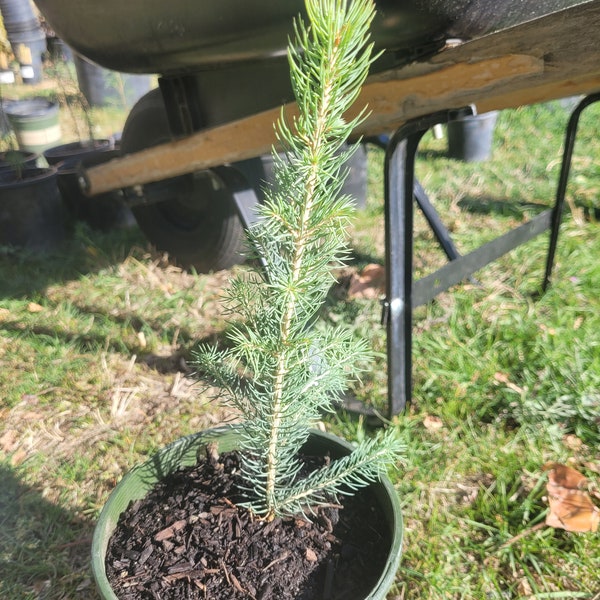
x: 18, y: 457
x: 9, y: 440
x: 572, y: 442
x: 432, y: 423
x: 34, y: 307
x: 369, y: 283
x: 592, y: 466
x: 504, y: 378
x: 571, y: 506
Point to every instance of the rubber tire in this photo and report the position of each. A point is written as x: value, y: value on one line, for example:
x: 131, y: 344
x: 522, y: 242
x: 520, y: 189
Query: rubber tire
x: 199, y: 229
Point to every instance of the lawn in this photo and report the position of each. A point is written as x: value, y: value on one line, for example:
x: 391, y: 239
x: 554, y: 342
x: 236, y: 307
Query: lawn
x: 95, y: 346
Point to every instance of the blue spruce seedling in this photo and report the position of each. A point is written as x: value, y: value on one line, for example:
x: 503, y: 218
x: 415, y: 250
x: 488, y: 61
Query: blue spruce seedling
x: 281, y: 372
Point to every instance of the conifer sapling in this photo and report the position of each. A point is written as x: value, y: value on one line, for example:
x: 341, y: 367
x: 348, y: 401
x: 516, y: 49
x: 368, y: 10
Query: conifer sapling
x: 281, y: 371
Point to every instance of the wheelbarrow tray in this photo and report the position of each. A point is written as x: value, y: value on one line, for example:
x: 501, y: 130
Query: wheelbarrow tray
x: 548, y: 57
x: 179, y: 36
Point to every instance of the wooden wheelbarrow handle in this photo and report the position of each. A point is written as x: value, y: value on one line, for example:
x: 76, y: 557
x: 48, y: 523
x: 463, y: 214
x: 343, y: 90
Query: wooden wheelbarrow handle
x: 551, y: 57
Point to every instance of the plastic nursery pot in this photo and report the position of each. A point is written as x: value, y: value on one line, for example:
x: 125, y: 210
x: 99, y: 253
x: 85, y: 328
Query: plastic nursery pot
x: 31, y: 211
x: 27, y: 40
x: 138, y: 482
x: 29, y: 47
x: 15, y: 159
x: 470, y: 139
x: 35, y: 123
x: 103, y: 87
x: 103, y: 212
x: 57, y: 154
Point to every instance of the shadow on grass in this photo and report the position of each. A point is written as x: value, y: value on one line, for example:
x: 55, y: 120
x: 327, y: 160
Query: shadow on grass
x: 44, y: 548
x: 24, y: 273
x: 502, y: 207
x: 90, y: 342
x: 432, y: 154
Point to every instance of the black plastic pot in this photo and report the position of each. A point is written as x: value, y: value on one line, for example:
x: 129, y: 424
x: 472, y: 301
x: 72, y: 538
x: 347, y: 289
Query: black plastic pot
x: 59, y: 51
x: 12, y: 160
x: 470, y: 139
x: 31, y: 210
x: 18, y: 16
x: 184, y: 452
x: 102, y: 87
x: 77, y: 150
x: 103, y: 212
x: 27, y: 40
x: 261, y: 171
x: 29, y: 48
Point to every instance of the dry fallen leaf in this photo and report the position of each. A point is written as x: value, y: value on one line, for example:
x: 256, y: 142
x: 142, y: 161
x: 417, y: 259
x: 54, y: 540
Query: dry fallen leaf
x: 18, y: 457
x: 504, y: 378
x: 432, y: 423
x: 571, y: 506
x: 9, y: 440
x: 563, y: 476
x: 34, y: 307
x: 572, y: 442
x: 310, y: 555
x: 369, y: 283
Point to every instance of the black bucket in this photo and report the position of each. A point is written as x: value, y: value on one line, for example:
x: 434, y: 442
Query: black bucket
x: 77, y: 150
x: 103, y: 212
x: 13, y: 160
x: 355, y: 185
x: 102, y: 87
x: 470, y: 139
x: 31, y: 211
x: 18, y: 16
x: 29, y: 48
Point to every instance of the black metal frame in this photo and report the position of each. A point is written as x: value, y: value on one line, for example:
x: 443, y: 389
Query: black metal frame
x: 570, y: 137
x: 402, y: 294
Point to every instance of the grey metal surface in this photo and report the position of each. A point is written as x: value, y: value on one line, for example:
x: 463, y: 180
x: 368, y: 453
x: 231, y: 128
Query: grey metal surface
x: 180, y: 36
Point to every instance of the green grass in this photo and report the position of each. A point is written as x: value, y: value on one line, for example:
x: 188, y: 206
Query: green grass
x: 94, y: 342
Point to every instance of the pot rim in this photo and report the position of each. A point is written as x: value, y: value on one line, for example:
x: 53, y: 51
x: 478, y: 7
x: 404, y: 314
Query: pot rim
x: 30, y: 108
x: 186, y: 447
x: 75, y: 148
x: 29, y: 176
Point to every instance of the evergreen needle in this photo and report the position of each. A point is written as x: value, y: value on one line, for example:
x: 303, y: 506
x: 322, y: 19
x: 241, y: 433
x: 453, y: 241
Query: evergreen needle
x: 281, y: 372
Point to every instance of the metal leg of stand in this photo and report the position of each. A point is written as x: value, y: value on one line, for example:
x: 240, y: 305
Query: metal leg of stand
x: 433, y: 219
x: 398, y: 260
x: 570, y: 137
x: 399, y: 210
x: 439, y: 229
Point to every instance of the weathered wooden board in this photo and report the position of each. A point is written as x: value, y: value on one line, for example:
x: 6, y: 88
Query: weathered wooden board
x: 566, y: 44
x: 552, y: 57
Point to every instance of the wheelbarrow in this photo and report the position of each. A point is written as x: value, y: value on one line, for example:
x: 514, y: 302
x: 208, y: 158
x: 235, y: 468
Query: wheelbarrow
x: 194, y: 151
x: 224, y: 75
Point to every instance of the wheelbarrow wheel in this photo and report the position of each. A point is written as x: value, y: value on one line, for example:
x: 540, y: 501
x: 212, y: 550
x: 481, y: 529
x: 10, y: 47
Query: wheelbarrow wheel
x: 197, y: 224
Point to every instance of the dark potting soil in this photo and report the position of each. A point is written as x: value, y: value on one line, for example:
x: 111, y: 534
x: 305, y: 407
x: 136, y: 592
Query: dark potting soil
x: 188, y: 540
